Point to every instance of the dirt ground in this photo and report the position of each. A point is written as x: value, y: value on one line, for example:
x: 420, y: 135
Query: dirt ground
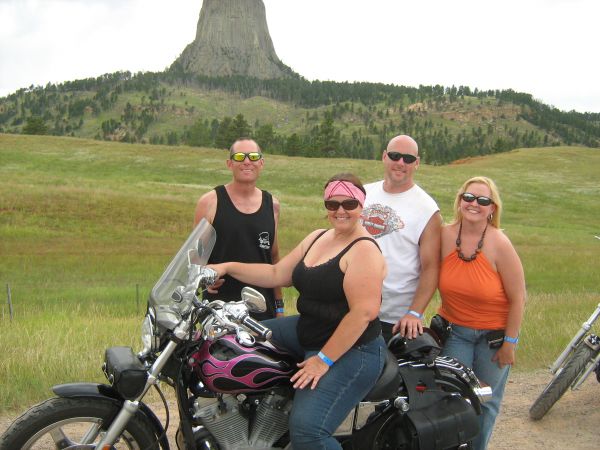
x: 573, y: 422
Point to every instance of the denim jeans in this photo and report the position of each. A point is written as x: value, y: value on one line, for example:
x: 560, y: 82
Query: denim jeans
x: 316, y: 414
x: 470, y: 347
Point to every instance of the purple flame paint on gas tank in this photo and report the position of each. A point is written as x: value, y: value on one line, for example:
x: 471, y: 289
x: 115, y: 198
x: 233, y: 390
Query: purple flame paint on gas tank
x: 259, y: 367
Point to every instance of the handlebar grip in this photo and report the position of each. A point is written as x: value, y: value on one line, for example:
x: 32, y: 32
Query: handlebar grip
x: 263, y: 332
x: 208, y: 276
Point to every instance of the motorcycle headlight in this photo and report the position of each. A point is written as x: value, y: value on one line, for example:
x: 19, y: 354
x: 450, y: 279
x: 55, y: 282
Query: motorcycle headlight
x: 149, y: 338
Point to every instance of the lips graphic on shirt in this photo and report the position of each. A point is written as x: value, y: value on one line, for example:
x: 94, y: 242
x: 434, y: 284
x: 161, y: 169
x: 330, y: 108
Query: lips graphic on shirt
x: 380, y: 220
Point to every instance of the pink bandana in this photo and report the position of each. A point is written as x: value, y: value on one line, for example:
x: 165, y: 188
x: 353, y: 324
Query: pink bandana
x: 344, y: 188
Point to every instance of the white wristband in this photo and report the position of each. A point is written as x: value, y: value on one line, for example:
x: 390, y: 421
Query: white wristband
x: 325, y: 359
x: 414, y: 313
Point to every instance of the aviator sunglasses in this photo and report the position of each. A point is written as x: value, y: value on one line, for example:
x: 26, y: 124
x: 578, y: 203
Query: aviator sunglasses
x: 241, y: 156
x: 348, y: 205
x: 396, y: 156
x: 470, y: 198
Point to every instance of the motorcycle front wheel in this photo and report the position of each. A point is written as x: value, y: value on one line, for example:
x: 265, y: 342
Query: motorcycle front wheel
x: 559, y: 384
x: 74, y: 423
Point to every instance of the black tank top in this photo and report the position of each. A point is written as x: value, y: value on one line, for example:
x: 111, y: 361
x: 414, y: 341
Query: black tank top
x: 243, y: 238
x: 322, y: 302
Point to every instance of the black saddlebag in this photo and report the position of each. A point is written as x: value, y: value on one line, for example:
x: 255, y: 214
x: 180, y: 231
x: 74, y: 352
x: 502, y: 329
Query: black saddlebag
x: 125, y: 372
x: 447, y: 423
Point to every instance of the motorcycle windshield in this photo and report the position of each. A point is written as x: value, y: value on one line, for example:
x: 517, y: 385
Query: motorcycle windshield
x: 177, y: 277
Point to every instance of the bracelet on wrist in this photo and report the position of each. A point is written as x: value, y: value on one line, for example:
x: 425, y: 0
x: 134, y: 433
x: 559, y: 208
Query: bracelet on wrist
x: 325, y: 359
x: 512, y: 340
x: 279, y: 310
x: 412, y: 312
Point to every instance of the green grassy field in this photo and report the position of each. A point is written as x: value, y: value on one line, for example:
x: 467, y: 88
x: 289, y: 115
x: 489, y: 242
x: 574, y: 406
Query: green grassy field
x: 83, y: 224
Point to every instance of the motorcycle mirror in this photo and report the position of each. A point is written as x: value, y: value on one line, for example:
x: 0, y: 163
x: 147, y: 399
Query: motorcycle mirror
x: 254, y: 300
x: 177, y: 294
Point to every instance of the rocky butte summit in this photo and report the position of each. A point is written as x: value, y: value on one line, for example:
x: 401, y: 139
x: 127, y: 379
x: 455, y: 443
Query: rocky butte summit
x: 232, y: 38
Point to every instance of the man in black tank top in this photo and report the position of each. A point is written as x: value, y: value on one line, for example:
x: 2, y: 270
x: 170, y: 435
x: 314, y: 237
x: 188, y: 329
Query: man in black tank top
x: 245, y: 218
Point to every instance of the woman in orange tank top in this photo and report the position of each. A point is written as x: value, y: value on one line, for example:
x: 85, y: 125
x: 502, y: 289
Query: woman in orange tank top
x: 482, y: 286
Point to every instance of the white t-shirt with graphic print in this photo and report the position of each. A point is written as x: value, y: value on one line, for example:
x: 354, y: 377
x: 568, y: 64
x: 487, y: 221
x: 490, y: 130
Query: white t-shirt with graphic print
x: 396, y: 221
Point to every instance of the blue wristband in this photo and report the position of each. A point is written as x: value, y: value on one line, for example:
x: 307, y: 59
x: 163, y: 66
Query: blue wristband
x: 512, y: 340
x: 325, y: 359
x: 279, y: 310
x: 414, y: 313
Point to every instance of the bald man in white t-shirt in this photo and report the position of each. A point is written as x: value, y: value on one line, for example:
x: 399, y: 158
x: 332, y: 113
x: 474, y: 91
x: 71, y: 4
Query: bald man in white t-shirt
x: 406, y: 223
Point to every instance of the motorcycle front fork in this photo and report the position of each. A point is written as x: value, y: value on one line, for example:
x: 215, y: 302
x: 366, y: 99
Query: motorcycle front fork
x: 131, y: 407
x: 594, y: 342
x: 571, y: 346
x: 591, y: 341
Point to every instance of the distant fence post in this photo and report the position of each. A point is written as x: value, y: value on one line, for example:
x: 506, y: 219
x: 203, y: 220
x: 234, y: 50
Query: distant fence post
x: 10, y: 308
x: 137, y: 299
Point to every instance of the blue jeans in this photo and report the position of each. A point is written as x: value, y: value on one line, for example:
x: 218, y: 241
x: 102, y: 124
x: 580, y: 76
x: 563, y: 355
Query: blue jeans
x: 316, y: 414
x: 470, y: 347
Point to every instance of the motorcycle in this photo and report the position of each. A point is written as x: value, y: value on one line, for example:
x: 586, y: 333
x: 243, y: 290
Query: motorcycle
x: 578, y: 360
x: 232, y: 384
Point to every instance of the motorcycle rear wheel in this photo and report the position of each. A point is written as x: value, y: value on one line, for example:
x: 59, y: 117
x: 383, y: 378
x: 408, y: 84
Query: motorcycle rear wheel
x: 559, y: 385
x: 74, y: 423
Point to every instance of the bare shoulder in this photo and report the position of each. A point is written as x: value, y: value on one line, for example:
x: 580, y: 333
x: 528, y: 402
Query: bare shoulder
x: 276, y: 205
x: 502, y: 250
x: 275, y: 200
x: 365, y: 259
x: 436, y: 220
x: 310, y: 238
x: 499, y: 239
x: 449, y: 227
x: 206, y: 207
x: 449, y: 231
x: 210, y: 196
x: 367, y: 250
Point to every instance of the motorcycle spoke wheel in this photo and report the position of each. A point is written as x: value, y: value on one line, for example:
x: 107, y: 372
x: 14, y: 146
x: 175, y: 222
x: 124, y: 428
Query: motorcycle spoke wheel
x: 61, y: 423
x: 561, y: 382
x: 77, y: 431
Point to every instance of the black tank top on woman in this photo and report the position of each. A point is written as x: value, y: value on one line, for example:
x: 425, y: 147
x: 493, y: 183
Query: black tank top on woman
x: 322, y: 303
x: 243, y: 238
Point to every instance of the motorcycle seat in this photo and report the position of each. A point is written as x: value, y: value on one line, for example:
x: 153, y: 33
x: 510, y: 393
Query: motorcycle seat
x: 388, y: 382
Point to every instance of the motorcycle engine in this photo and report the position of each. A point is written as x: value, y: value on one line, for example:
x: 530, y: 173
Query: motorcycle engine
x: 243, y: 422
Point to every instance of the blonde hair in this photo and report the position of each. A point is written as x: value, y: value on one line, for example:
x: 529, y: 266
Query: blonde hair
x: 494, y: 195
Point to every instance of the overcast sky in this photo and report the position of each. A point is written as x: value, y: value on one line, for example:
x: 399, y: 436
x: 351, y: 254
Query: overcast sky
x: 548, y: 48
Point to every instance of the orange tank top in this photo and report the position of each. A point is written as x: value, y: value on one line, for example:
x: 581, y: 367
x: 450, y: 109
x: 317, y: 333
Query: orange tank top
x: 472, y: 293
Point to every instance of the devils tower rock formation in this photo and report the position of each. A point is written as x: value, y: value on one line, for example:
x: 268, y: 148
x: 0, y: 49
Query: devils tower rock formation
x: 232, y: 38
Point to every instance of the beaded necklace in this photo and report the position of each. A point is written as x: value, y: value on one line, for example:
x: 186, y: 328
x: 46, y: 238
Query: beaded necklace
x: 477, y: 250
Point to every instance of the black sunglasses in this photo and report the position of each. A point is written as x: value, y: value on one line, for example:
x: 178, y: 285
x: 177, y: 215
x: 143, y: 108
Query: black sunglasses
x: 348, y: 205
x: 241, y: 156
x: 470, y: 198
x: 396, y: 156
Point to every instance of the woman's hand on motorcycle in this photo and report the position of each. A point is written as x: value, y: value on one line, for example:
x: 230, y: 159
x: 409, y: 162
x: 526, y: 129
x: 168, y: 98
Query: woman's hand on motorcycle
x: 311, y: 371
x: 505, y: 355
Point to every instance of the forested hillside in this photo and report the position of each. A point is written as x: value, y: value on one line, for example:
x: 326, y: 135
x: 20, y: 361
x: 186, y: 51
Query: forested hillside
x: 294, y: 116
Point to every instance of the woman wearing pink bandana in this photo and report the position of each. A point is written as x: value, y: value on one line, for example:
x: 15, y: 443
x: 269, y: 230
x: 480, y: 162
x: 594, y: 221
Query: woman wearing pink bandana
x: 338, y: 273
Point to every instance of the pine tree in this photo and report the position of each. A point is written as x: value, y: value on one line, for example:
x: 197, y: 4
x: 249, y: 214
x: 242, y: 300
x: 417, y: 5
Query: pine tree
x: 35, y: 125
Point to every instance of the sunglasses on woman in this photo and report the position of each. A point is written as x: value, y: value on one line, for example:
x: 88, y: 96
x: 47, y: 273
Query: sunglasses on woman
x: 241, y: 156
x: 348, y: 205
x: 396, y: 156
x: 470, y: 198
